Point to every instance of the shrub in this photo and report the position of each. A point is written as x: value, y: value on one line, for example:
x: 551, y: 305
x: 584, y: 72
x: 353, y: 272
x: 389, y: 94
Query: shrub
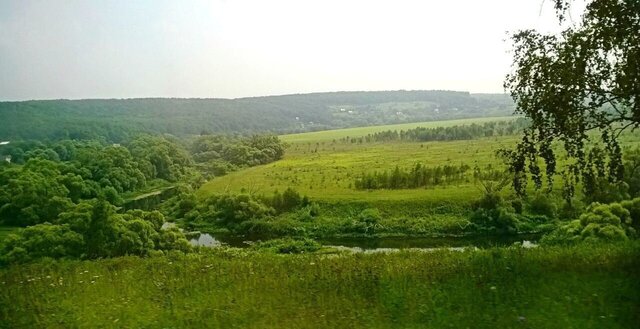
x: 500, y: 220
x: 517, y: 206
x: 600, y: 223
x: 370, y: 216
x: 571, y: 210
x: 232, y: 209
x: 289, y: 199
x: 289, y: 245
x: 367, y: 221
x: 633, y: 206
x: 42, y: 240
x: 541, y: 204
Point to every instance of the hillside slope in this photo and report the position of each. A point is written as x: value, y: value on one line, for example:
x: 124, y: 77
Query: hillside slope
x: 117, y: 119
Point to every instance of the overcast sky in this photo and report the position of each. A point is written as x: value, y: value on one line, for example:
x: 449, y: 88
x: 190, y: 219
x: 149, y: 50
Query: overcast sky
x: 236, y: 48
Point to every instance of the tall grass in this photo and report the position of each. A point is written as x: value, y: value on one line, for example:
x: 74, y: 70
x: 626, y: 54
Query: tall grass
x: 577, y: 287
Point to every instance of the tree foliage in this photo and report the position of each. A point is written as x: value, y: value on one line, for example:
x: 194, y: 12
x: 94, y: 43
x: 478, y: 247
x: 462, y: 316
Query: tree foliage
x: 216, y: 155
x: 585, y: 79
x: 418, y: 176
x: 462, y: 132
x: 599, y: 223
x: 92, y: 229
x: 119, y: 120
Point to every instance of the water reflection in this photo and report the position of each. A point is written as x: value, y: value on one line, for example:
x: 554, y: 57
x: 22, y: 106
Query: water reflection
x: 205, y: 240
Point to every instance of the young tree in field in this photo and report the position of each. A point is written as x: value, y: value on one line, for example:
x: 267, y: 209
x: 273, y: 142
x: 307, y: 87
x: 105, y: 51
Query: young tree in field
x: 585, y: 79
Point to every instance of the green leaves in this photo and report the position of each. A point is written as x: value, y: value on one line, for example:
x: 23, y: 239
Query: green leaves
x: 584, y: 79
x: 600, y: 222
x: 92, y: 230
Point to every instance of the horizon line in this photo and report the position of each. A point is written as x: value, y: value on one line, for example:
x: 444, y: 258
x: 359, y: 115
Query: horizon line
x: 249, y: 97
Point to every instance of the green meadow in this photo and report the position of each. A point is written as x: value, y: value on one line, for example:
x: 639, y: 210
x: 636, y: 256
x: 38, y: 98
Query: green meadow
x: 578, y: 287
x: 319, y: 165
x: 329, y: 135
x: 316, y: 165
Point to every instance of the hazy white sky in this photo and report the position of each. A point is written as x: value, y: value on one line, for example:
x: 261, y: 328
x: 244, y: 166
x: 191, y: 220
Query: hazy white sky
x: 235, y: 48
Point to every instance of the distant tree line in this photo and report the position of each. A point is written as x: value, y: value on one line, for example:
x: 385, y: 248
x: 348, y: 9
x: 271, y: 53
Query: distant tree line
x: 462, y: 132
x: 119, y: 120
x: 418, y: 176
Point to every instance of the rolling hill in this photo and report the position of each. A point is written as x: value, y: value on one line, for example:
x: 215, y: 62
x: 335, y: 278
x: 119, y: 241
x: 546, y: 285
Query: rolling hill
x: 118, y: 119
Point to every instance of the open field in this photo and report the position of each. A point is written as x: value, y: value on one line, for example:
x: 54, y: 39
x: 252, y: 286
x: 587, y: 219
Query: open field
x: 326, y: 170
x: 329, y: 172
x: 329, y: 135
x: 585, y: 287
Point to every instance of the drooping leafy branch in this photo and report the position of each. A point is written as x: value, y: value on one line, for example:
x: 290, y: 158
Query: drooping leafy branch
x: 585, y: 79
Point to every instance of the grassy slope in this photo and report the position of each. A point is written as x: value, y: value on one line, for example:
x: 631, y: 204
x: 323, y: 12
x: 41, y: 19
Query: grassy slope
x: 329, y: 135
x: 325, y: 171
x: 586, y: 287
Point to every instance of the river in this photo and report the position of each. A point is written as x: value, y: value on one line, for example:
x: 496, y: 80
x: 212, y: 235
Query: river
x: 382, y: 243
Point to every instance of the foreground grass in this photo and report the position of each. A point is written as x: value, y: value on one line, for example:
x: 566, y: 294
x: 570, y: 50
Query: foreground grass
x: 579, y: 287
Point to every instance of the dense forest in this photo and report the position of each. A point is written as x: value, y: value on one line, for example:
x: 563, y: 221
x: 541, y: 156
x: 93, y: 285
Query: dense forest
x: 116, y: 120
x: 70, y: 194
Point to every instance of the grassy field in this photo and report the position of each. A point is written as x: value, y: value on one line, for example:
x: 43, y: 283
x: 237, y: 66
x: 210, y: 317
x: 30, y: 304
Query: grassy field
x: 330, y: 135
x: 325, y: 170
x: 585, y: 287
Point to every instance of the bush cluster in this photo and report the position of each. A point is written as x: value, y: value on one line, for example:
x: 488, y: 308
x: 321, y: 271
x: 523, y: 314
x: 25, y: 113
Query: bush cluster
x: 599, y: 223
x: 92, y: 229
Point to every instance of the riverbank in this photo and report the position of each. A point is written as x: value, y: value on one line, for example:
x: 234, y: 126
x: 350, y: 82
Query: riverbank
x: 580, y: 287
x: 381, y: 241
